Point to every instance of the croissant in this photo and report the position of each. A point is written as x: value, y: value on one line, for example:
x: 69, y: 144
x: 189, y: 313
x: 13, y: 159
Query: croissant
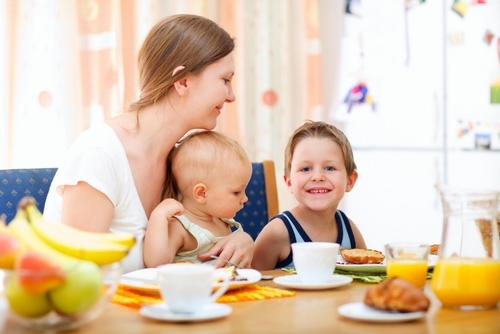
x: 397, y: 294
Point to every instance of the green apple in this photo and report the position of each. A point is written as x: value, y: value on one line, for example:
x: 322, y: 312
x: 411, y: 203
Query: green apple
x: 80, y: 291
x: 26, y: 304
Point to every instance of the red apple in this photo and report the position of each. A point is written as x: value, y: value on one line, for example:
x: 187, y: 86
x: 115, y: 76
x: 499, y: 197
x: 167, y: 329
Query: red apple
x: 38, y: 273
x: 10, y: 248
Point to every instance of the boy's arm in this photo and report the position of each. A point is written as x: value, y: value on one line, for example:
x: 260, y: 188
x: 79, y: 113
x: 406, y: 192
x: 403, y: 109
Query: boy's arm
x: 163, y: 238
x: 360, y: 241
x: 271, y: 246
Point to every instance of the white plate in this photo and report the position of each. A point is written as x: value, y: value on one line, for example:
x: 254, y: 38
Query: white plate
x: 378, y: 268
x: 143, y: 279
x: 146, y: 279
x: 251, y: 275
x: 360, y: 311
x: 162, y: 312
x: 293, y: 281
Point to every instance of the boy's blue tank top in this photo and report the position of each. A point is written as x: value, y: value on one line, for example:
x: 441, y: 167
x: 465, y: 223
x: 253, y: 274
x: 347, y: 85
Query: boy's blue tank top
x: 296, y: 233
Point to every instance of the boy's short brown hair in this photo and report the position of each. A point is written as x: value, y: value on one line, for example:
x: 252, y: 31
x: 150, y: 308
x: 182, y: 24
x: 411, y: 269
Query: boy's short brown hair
x: 318, y: 129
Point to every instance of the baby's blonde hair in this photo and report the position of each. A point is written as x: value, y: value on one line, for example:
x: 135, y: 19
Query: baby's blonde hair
x: 200, y: 157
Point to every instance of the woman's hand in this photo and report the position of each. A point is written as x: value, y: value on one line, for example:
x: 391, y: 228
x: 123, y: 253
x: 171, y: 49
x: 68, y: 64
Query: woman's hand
x: 236, y: 247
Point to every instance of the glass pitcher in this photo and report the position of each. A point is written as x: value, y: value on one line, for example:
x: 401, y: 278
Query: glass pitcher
x: 467, y: 274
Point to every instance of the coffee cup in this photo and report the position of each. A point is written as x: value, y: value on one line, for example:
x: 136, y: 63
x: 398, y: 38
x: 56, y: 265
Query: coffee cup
x: 315, y: 261
x: 187, y: 288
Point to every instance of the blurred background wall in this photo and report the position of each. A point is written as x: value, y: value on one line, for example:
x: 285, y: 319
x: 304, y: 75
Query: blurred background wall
x: 66, y: 64
x: 415, y: 85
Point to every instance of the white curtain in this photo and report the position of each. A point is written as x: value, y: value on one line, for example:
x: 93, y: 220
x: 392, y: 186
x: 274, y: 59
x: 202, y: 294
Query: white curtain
x: 65, y: 64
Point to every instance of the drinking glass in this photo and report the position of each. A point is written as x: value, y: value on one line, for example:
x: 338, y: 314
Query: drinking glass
x: 408, y: 261
x: 467, y: 273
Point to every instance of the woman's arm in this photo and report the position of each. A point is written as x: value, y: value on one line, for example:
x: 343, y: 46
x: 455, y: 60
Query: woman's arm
x: 86, y: 208
x: 236, y: 247
x: 163, y: 235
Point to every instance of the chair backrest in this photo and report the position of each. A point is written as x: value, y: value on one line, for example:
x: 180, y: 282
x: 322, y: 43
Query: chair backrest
x: 17, y: 183
x: 261, y: 191
x: 262, y: 196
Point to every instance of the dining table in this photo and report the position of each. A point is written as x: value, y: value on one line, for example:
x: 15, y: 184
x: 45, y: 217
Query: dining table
x: 308, y: 311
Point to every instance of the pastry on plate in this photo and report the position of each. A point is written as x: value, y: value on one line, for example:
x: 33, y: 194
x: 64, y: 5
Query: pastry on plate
x: 231, y: 272
x: 362, y: 256
x: 397, y: 294
x: 434, y: 249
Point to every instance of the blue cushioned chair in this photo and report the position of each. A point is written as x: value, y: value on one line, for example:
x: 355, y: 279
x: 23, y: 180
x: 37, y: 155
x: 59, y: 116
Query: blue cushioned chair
x: 261, y: 192
x: 17, y: 183
x: 262, y: 196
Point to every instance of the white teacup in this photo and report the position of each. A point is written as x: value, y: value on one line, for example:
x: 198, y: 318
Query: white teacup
x: 186, y: 288
x: 315, y: 261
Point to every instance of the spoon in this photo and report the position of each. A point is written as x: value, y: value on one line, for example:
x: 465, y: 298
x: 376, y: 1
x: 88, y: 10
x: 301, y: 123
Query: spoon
x: 227, y: 261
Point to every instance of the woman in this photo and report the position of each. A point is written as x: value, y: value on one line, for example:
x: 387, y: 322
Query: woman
x: 113, y: 176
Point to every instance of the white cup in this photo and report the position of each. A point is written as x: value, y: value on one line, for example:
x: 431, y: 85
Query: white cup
x: 315, y: 261
x: 186, y: 288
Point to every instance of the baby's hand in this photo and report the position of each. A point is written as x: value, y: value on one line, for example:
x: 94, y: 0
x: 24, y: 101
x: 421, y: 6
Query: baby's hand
x: 170, y: 207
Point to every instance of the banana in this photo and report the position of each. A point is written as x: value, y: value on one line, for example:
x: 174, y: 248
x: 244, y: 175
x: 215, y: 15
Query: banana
x: 70, y: 292
x: 101, y: 253
x: 20, y: 228
x: 72, y: 233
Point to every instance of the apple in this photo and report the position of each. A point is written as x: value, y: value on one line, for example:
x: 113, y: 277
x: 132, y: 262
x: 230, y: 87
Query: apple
x: 24, y: 303
x: 80, y: 291
x: 38, y: 273
x: 10, y: 248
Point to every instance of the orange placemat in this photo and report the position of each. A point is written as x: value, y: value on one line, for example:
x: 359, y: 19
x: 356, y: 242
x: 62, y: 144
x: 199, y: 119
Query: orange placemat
x: 136, y: 298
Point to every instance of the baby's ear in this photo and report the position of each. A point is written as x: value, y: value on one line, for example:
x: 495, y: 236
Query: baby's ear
x: 200, y: 192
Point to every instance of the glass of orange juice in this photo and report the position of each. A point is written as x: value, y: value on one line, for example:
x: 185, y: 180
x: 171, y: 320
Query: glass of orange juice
x: 407, y: 261
x: 467, y: 273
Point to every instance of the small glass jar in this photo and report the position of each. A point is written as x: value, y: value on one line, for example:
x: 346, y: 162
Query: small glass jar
x: 467, y: 274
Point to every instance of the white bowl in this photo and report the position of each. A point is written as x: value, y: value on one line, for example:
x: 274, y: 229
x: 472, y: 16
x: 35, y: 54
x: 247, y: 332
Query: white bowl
x: 4, y: 310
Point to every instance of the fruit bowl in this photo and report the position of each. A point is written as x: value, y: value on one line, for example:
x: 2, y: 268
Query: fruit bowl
x: 41, y: 300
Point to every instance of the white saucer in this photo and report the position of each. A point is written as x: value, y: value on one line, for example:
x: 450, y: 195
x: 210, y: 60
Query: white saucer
x: 162, y: 312
x: 293, y: 281
x: 363, y: 312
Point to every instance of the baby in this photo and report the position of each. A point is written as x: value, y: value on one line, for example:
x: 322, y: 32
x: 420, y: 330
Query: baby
x: 207, y: 173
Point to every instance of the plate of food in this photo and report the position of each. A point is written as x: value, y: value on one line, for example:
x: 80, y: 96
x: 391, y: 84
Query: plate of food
x: 368, y: 261
x: 237, y: 277
x: 393, y: 300
x: 147, y: 279
x: 361, y: 311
